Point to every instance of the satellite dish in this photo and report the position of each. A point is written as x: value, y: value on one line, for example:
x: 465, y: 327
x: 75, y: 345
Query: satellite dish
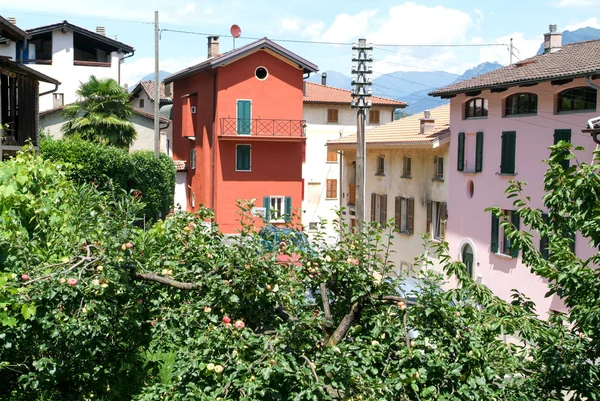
x: 235, y: 30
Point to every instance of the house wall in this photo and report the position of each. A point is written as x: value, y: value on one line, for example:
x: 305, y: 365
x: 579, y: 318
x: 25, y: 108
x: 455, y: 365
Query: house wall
x: 422, y: 187
x: 467, y: 221
x: 9, y: 50
x: 148, y: 104
x: 70, y: 75
x: 316, y: 170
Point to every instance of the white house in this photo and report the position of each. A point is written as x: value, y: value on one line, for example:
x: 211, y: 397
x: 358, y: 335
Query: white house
x: 70, y: 54
x: 142, y: 96
x: 406, y: 178
x: 328, y: 116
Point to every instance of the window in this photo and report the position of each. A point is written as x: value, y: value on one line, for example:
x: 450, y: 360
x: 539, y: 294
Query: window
x: 332, y: 156
x: 507, y: 246
x: 436, y: 220
x: 404, y: 215
x: 332, y: 116
x: 582, y: 98
x: 278, y: 208
x: 563, y: 135
x: 407, y: 167
x: 509, y: 147
x: 521, y: 103
x: 438, y: 168
x: 380, y: 165
x: 379, y: 208
x: 192, y: 159
x: 477, y: 107
x: 331, y: 192
x: 243, y: 158
x: 261, y: 73
x: 312, y: 226
x: 470, y: 152
x: 141, y: 103
x: 467, y: 258
x: 244, y: 117
x: 374, y: 117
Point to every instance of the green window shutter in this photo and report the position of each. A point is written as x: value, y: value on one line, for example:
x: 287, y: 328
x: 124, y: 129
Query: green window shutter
x: 373, y: 205
x: 494, y: 240
x: 243, y: 158
x: 563, y: 135
x: 479, y: 152
x: 572, y: 244
x: 383, y: 209
x: 516, y: 221
x: 267, y: 206
x: 429, y: 217
x: 244, y: 115
x: 410, y: 218
x: 288, y: 208
x: 398, y: 213
x: 544, y: 240
x: 461, y: 152
x: 509, y: 142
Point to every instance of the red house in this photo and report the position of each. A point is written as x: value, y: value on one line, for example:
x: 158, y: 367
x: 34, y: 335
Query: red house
x: 237, y: 122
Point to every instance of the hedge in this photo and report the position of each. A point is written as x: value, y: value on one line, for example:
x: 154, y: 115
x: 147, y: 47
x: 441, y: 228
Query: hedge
x: 109, y: 167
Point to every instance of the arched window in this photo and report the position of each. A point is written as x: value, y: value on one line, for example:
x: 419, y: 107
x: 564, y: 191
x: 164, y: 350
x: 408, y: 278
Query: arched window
x: 467, y: 258
x: 477, y: 107
x: 581, y: 98
x: 521, y: 103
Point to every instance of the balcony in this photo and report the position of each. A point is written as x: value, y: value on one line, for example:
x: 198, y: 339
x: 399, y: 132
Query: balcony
x: 351, y: 194
x: 262, y: 128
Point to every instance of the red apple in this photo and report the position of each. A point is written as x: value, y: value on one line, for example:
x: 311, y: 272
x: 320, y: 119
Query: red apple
x: 239, y: 324
x: 226, y: 320
x: 25, y: 277
x: 72, y: 281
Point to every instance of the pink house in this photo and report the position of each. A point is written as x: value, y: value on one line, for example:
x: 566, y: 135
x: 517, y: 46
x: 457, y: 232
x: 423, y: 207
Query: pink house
x: 502, y: 124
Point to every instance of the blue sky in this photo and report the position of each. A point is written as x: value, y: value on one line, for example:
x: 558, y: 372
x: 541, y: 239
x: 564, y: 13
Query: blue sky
x: 380, y: 21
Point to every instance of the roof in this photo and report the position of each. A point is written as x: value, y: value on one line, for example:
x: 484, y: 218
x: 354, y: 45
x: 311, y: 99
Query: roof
x: 7, y: 64
x: 233, y: 55
x: 136, y: 111
x: 316, y: 93
x: 65, y: 24
x: 405, y: 131
x: 150, y: 89
x: 571, y: 61
x: 8, y: 30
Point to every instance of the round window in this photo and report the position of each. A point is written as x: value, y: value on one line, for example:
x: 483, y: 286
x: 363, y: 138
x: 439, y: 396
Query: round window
x: 261, y: 73
x: 470, y: 188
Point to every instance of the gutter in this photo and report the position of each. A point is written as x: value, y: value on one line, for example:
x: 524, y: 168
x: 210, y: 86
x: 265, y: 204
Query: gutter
x: 50, y: 91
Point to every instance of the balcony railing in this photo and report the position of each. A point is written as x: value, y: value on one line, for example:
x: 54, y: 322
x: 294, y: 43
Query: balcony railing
x: 263, y: 128
x: 351, y: 194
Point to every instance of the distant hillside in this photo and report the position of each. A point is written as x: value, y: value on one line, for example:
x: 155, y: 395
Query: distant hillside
x: 579, y: 35
x: 161, y: 75
x: 480, y: 69
x: 334, y: 78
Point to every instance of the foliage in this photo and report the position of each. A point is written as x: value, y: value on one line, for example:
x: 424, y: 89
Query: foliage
x: 153, y: 180
x: 101, y: 114
x: 183, y: 312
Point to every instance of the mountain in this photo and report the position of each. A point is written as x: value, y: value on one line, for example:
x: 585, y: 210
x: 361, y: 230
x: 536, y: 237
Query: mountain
x: 161, y: 75
x: 334, y: 78
x: 480, y: 69
x: 578, y: 35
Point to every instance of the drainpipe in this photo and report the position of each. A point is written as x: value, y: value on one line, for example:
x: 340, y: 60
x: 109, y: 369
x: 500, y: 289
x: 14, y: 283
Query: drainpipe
x: 25, y: 46
x: 214, y: 146
x: 119, y: 66
x: 50, y: 91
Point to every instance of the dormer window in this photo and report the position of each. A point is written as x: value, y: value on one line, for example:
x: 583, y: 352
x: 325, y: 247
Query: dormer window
x: 477, y: 107
x: 582, y: 98
x: 521, y: 103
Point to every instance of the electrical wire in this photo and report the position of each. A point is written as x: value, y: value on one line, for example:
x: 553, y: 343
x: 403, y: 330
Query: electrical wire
x: 77, y: 17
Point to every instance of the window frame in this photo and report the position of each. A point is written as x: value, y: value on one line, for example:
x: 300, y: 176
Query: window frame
x: 567, y: 92
x: 142, y: 103
x: 406, y: 162
x: 371, y: 119
x: 330, y: 113
x: 380, y: 168
x: 249, y: 147
x: 438, y: 168
x: 281, y: 216
x: 471, y: 105
x: 505, y: 247
x: 404, y: 211
x: 331, y: 186
x: 516, y: 97
x: 437, y: 219
x: 379, y: 208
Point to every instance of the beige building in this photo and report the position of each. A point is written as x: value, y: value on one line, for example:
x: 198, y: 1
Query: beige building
x: 406, y: 179
x: 328, y: 116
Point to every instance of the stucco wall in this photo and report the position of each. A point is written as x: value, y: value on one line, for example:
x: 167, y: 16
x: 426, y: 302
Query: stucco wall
x: 467, y: 221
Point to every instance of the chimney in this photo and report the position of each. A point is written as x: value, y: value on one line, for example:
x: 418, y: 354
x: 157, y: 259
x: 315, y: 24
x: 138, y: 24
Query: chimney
x: 552, y: 40
x: 12, y: 20
x: 100, y: 30
x: 324, y: 78
x: 213, y: 46
x: 427, y: 123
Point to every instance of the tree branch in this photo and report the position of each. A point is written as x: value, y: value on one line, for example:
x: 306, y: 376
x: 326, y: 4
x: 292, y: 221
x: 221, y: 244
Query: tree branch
x: 164, y: 280
x: 326, y: 306
x: 345, y: 325
x: 282, y: 313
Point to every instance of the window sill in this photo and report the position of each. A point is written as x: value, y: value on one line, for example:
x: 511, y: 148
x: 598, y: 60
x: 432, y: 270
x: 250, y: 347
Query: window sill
x: 404, y: 233
x: 380, y: 174
x: 330, y: 198
x: 406, y: 176
x: 507, y: 174
x: 520, y: 115
x: 437, y: 179
x: 576, y: 111
x: 471, y: 172
x: 243, y: 171
x: 503, y: 255
x: 476, y: 118
x: 333, y: 122
x: 330, y: 162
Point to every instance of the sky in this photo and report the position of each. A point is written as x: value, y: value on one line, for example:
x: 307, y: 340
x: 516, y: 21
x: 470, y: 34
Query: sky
x: 403, y: 24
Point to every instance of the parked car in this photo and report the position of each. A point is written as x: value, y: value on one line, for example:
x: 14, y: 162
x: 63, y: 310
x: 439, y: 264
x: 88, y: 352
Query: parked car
x: 276, y: 239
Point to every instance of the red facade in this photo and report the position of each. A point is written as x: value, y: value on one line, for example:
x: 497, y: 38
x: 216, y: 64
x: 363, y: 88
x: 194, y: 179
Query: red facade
x: 246, y: 129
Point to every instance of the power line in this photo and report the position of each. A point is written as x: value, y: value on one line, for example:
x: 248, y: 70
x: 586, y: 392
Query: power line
x: 62, y: 16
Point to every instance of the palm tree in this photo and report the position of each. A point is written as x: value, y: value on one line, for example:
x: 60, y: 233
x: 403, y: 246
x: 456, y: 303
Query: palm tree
x: 101, y: 114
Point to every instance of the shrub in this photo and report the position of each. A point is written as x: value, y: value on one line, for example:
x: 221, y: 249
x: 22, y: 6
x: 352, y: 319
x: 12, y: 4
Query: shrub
x: 111, y: 168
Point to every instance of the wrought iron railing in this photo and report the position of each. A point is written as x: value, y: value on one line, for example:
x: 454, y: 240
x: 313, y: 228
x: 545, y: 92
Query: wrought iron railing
x: 262, y: 127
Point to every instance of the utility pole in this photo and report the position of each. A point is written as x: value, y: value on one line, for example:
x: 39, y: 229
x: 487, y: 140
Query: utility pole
x: 361, y: 101
x: 511, y: 51
x: 156, y: 90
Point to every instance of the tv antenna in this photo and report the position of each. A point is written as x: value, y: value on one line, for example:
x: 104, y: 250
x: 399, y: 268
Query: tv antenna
x: 235, y: 31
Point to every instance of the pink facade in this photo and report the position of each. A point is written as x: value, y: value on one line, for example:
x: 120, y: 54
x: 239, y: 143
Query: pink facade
x: 467, y: 221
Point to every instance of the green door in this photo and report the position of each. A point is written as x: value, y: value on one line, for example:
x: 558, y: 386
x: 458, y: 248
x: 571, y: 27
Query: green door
x: 244, y: 117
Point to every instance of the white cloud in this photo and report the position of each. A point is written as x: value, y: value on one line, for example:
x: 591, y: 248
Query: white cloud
x: 524, y: 48
x: 593, y: 22
x: 347, y: 27
x: 306, y: 29
x: 573, y: 3
x: 133, y: 70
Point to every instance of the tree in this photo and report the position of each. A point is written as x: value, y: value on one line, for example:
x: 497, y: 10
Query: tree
x: 102, y: 114
x: 98, y: 308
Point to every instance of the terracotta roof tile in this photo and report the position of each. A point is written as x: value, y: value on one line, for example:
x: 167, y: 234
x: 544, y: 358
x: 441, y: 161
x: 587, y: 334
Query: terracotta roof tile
x: 573, y: 60
x: 405, y: 131
x: 316, y: 93
x: 149, y: 87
